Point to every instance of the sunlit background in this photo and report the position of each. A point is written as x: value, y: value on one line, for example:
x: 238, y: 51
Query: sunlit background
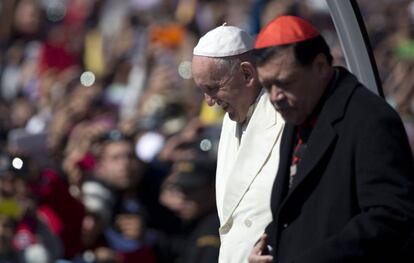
x: 74, y: 70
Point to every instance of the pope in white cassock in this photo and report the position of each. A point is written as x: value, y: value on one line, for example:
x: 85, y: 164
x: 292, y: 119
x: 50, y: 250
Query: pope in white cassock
x: 223, y: 68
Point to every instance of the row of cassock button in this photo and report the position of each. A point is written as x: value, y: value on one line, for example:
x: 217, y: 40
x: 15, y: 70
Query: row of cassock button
x: 226, y: 227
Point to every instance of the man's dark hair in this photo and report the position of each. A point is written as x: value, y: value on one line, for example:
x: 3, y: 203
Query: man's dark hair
x: 305, y: 51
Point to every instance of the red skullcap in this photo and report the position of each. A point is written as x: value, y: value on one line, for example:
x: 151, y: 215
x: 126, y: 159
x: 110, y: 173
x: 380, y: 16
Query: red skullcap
x: 285, y: 30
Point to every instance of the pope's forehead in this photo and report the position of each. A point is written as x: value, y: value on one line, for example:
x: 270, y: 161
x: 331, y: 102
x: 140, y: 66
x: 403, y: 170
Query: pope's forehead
x: 206, y: 69
x: 202, y: 63
x: 200, y: 59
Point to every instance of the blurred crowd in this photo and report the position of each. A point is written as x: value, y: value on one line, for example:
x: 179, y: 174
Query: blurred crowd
x: 107, y: 150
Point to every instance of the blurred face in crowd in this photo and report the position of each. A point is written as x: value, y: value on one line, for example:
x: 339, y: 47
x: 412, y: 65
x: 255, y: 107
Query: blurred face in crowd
x: 27, y: 17
x: 7, y: 185
x: 80, y: 101
x: 12, y: 186
x: 22, y: 110
x: 188, y: 204
x: 92, y: 227
x: 192, y: 205
x: 132, y: 226
x: 118, y: 165
x: 232, y: 85
x: 183, y: 204
x: 294, y: 89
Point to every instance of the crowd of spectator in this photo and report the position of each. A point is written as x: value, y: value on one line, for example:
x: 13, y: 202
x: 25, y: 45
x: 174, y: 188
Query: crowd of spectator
x: 106, y: 146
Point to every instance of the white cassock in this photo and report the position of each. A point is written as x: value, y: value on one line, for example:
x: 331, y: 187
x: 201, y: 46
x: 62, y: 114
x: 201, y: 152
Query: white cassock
x: 244, y: 179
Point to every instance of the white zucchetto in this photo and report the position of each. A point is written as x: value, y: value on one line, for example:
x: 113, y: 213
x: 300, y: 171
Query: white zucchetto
x: 224, y: 41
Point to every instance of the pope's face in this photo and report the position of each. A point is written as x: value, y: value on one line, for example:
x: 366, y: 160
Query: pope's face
x: 222, y: 86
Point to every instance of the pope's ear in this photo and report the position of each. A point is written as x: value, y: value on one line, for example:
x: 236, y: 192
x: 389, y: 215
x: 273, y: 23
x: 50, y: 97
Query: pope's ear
x: 247, y: 70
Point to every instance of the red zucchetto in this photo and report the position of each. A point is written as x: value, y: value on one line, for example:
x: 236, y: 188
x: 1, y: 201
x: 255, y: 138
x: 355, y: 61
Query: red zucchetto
x: 285, y: 30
